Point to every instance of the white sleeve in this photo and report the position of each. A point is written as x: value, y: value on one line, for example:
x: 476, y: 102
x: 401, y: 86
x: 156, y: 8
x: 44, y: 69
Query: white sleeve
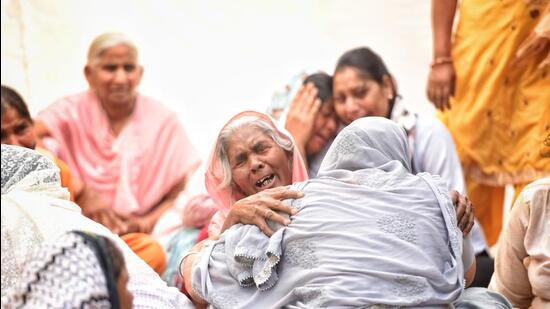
x: 435, y: 153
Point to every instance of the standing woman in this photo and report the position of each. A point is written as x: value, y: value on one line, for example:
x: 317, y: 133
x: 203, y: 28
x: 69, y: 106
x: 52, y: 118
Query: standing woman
x: 492, y: 85
x: 127, y: 146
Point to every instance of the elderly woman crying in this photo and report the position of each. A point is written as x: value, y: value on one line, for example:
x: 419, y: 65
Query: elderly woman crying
x: 249, y: 170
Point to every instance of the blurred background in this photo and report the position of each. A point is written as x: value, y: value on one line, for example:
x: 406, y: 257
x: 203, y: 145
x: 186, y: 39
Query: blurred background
x: 208, y: 60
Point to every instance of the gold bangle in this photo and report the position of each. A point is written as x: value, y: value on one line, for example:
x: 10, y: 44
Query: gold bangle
x: 441, y: 60
x: 180, y: 272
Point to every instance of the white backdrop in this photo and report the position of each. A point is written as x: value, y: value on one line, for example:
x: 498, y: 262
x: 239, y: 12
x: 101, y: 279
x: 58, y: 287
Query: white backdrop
x: 208, y: 60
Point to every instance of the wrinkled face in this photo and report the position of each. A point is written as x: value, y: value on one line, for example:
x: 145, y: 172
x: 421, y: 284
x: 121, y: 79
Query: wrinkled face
x: 115, y: 76
x: 257, y: 162
x: 124, y: 295
x: 324, y: 130
x: 356, y: 96
x: 17, y: 130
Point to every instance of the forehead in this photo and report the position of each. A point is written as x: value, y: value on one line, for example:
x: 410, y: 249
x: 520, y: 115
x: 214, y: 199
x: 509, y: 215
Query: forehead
x: 348, y: 77
x: 118, y: 53
x: 246, y: 137
x: 11, y: 115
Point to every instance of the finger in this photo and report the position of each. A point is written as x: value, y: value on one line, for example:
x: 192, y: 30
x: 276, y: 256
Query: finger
x: 315, y: 107
x: 275, y: 217
x: 470, y: 225
x: 280, y: 206
x: 439, y: 97
x: 287, y: 194
x: 454, y: 197
x: 262, y: 225
x: 430, y: 93
x: 464, y: 219
x: 445, y: 97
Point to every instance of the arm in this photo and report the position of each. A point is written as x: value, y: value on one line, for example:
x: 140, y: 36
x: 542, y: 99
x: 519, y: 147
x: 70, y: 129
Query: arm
x: 441, y: 78
x: 469, y: 261
x: 186, y: 269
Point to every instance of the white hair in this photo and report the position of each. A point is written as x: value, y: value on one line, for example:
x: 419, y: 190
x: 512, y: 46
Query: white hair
x: 105, y: 41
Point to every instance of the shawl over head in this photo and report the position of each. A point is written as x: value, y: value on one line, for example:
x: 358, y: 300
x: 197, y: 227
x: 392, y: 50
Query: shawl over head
x: 368, y: 233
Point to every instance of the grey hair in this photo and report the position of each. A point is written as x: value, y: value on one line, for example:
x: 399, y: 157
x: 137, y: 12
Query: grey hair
x: 246, y: 121
x: 105, y: 41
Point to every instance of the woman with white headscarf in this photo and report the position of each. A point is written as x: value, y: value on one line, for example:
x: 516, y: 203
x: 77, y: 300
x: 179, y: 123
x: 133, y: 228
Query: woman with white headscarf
x: 392, y: 238
x: 37, y: 209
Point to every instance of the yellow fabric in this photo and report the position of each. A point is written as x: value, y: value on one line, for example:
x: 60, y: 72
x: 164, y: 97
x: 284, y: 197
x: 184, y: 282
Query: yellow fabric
x: 148, y: 250
x: 500, y: 116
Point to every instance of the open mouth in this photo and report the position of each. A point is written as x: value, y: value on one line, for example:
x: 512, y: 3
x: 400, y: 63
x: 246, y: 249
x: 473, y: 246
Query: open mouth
x: 265, y: 181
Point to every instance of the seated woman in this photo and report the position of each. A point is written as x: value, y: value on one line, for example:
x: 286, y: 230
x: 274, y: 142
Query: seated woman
x: 311, y: 119
x: 363, y: 86
x: 522, y: 261
x: 127, y: 146
x: 392, y: 239
x: 17, y: 129
x: 76, y: 270
x: 37, y: 209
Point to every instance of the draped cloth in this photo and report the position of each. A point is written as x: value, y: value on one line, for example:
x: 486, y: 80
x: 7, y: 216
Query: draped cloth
x: 66, y: 273
x: 225, y: 197
x: 368, y: 233
x: 132, y: 171
x: 35, y: 208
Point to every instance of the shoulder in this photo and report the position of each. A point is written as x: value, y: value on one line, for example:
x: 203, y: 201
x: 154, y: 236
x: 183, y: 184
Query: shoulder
x: 155, y: 109
x: 70, y: 102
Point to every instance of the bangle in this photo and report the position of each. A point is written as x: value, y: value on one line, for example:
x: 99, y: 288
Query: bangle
x: 183, y: 259
x: 441, y: 60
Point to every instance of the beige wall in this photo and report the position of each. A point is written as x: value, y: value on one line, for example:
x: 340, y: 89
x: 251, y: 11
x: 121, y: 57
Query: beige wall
x: 210, y: 59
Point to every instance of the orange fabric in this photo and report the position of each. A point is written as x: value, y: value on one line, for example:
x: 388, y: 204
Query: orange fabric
x: 148, y: 249
x: 489, y: 206
x: 66, y: 178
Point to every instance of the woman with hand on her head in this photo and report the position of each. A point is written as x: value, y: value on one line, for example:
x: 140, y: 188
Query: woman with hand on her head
x: 311, y: 119
x: 249, y: 170
x: 127, y: 146
x: 76, y: 270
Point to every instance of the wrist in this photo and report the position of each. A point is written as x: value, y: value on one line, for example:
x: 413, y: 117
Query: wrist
x: 438, y: 61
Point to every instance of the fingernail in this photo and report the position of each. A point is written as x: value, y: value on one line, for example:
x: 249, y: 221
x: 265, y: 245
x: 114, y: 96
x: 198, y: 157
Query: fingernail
x: 301, y: 194
x: 287, y: 222
x: 294, y: 211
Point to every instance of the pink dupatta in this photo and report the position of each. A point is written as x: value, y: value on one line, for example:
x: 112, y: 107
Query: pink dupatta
x: 223, y: 197
x: 132, y: 171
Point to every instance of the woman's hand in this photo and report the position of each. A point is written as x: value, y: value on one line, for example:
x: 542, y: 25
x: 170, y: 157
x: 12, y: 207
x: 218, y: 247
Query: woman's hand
x: 301, y: 115
x: 141, y: 224
x: 441, y: 85
x: 257, y: 208
x: 108, y: 217
x: 464, y: 212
